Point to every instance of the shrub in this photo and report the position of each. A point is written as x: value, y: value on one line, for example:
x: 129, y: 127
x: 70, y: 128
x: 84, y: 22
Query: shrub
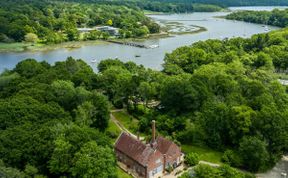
x: 254, y: 154
x: 191, y: 159
x: 231, y: 158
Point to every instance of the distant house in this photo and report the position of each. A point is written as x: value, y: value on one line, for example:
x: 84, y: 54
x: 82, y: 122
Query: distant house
x: 147, y: 160
x: 111, y: 30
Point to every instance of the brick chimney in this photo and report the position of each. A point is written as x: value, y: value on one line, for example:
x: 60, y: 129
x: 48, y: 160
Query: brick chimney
x: 153, y: 131
x: 164, y: 163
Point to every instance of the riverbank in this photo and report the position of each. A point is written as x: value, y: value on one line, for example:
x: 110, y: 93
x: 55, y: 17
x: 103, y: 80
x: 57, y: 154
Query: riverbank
x: 34, y: 47
x: 150, y: 58
x: 22, y: 46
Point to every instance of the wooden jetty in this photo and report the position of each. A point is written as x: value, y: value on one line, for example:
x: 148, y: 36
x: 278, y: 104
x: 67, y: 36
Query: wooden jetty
x: 133, y: 44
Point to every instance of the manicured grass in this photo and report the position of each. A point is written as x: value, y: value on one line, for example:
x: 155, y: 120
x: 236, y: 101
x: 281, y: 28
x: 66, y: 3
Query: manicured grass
x: 112, y: 127
x: 127, y: 121
x: 143, y: 109
x: 205, y: 154
x: 122, y: 174
x: 113, y: 130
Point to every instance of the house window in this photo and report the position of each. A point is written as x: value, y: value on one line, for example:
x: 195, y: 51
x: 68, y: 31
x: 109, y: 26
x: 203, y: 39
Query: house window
x: 158, y: 169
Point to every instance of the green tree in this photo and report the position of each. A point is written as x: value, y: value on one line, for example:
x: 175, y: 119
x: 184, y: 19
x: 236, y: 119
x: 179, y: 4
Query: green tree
x: 240, y: 122
x: 231, y: 158
x: 101, y: 111
x: 31, y: 37
x: 65, y: 93
x: 254, y: 154
x: 31, y: 171
x: 109, y: 22
x: 8, y: 172
x: 29, y: 68
x: 60, y: 162
x: 147, y: 91
x: 206, y: 171
x: 94, y: 160
x: 191, y: 159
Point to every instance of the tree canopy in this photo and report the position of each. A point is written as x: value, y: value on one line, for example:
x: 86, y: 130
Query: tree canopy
x: 49, y: 119
x: 276, y: 17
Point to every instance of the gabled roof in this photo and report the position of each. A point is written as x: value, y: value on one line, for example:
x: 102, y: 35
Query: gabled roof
x: 167, y: 147
x: 163, y: 144
x: 135, y: 149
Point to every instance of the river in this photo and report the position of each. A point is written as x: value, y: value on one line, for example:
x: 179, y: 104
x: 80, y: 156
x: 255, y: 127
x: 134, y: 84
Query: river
x: 152, y: 58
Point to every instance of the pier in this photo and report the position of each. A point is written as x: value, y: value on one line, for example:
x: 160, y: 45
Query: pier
x: 133, y: 44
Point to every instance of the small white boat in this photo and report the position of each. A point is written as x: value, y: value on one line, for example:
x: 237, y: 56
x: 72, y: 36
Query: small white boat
x: 266, y: 28
x: 93, y: 61
x: 153, y: 46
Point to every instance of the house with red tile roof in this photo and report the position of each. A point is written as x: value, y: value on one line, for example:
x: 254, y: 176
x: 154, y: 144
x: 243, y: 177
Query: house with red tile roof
x: 147, y: 160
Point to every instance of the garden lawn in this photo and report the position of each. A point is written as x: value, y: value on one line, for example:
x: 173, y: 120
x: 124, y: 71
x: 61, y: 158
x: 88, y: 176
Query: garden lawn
x: 114, y: 130
x: 122, y: 174
x: 205, y: 154
x: 127, y: 121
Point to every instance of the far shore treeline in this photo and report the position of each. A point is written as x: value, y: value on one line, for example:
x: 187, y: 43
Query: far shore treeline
x: 218, y: 94
x: 51, y: 22
x: 276, y: 17
x: 56, y: 22
x: 227, y: 3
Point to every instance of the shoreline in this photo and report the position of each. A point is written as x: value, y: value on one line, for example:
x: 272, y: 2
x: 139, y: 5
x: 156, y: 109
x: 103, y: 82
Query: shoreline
x: 20, y: 47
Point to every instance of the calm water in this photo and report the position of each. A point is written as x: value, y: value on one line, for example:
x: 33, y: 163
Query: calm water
x: 152, y: 58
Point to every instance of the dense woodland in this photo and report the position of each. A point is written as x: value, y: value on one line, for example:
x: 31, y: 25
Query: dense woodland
x: 55, y: 22
x: 234, y: 2
x: 276, y: 17
x: 182, y: 3
x: 221, y: 94
x: 52, y: 122
x: 158, y: 6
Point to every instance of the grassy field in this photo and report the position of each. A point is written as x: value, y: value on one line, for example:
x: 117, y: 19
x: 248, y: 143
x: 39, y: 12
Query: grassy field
x: 205, y: 154
x: 127, y: 121
x: 122, y: 174
x: 113, y: 129
x: 18, y: 47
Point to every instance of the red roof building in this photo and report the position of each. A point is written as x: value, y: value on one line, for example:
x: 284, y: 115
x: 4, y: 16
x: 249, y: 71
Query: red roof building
x: 147, y: 160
